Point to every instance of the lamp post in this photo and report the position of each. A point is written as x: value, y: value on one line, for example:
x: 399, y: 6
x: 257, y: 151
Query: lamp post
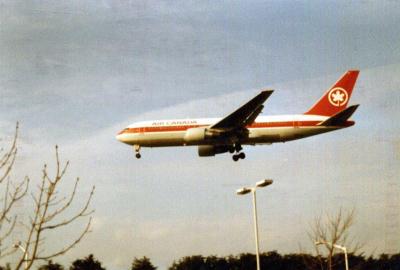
x: 343, y: 248
x: 252, y: 190
x: 18, y: 245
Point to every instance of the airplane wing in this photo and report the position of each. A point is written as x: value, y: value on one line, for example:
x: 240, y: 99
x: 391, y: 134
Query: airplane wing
x: 245, y: 115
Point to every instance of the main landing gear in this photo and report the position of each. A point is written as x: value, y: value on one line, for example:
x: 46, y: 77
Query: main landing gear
x: 239, y: 155
x: 236, y: 157
x: 137, y: 151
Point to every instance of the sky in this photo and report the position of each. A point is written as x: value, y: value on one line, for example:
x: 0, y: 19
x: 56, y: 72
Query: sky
x: 74, y: 73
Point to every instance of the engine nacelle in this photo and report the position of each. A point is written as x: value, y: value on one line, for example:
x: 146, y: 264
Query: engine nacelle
x: 212, y: 150
x: 195, y: 135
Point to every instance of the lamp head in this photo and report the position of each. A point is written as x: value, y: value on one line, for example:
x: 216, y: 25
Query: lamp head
x: 264, y: 183
x: 243, y: 191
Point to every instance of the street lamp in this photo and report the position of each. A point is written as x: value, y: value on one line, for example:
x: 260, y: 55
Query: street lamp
x: 252, y: 190
x: 18, y: 245
x: 343, y: 248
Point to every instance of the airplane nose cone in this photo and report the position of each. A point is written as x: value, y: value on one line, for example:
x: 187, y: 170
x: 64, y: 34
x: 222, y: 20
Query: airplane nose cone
x: 120, y: 136
x: 123, y: 136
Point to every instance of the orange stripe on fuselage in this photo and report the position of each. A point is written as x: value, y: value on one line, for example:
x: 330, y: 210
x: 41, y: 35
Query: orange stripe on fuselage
x: 254, y: 125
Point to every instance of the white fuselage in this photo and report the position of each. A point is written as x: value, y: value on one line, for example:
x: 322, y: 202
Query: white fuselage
x: 264, y: 130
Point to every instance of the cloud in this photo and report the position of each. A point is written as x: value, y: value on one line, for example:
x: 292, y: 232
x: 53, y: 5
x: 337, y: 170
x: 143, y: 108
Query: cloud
x: 76, y: 73
x: 165, y: 239
x: 148, y: 205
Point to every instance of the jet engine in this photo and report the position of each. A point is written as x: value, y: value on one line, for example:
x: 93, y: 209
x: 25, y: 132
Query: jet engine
x: 195, y: 135
x: 212, y: 150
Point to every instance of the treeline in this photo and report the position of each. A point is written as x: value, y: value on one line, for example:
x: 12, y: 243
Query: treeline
x: 275, y: 261
x: 271, y: 261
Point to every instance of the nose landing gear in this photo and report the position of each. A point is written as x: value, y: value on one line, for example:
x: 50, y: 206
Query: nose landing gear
x: 137, y: 151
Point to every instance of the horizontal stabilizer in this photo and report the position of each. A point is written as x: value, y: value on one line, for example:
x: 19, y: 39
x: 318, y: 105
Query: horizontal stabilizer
x: 339, y: 118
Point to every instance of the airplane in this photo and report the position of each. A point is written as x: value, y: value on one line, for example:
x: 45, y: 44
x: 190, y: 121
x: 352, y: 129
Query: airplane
x: 245, y: 126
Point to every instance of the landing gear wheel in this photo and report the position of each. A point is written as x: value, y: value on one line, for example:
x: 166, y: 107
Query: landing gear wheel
x: 137, y: 151
x: 235, y: 157
x: 242, y: 155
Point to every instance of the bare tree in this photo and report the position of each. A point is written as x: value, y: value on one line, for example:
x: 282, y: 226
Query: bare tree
x: 48, y: 215
x: 331, y: 230
x: 11, y: 193
x: 51, y: 211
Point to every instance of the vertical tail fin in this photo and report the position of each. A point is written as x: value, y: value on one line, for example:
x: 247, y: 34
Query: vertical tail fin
x: 337, y: 97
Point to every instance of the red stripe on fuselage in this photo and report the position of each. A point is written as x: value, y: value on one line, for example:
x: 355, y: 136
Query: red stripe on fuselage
x: 254, y: 125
